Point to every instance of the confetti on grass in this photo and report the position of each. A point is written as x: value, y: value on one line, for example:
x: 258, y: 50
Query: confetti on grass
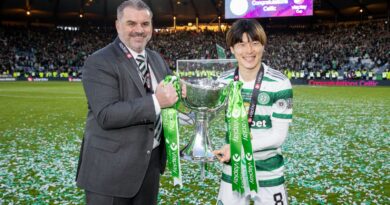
x: 337, y: 151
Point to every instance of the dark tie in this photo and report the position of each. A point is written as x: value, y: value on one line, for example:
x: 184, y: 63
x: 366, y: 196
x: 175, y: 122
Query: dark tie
x: 143, y: 69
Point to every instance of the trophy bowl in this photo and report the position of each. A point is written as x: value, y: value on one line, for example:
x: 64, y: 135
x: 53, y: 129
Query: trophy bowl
x: 205, y: 95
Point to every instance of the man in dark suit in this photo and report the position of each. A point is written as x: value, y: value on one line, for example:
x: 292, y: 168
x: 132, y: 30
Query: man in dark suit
x: 123, y: 151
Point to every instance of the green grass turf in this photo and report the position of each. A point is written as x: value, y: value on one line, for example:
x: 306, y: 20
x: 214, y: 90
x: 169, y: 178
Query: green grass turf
x: 337, y: 151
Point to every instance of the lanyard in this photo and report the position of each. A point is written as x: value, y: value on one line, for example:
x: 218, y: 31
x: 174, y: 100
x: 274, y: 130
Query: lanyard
x: 255, y: 93
x: 147, y: 79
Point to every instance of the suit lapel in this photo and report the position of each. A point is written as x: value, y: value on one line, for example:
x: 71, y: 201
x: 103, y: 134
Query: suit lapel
x: 127, y: 62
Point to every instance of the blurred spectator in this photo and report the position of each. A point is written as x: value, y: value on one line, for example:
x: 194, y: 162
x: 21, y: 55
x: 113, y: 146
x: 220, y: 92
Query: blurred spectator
x: 341, y: 51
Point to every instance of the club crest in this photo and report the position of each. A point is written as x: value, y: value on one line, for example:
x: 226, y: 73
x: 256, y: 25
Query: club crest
x: 263, y: 98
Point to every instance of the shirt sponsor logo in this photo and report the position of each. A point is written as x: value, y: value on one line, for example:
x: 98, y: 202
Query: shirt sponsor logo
x: 260, y: 123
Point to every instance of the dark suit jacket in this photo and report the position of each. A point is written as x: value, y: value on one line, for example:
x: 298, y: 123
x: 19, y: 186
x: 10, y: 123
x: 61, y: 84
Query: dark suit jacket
x: 118, y: 138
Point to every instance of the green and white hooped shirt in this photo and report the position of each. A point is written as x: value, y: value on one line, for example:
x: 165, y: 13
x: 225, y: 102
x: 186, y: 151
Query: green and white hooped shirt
x: 274, y: 103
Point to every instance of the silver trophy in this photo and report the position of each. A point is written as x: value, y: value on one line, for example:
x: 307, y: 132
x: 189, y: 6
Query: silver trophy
x: 205, y: 95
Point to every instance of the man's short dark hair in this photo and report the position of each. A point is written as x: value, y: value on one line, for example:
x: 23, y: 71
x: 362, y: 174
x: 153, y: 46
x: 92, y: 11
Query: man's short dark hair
x: 136, y: 4
x: 250, y: 26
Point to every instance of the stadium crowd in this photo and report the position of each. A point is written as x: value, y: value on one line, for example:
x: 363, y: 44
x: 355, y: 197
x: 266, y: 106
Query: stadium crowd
x: 350, y: 51
x: 52, y: 52
x: 355, y: 51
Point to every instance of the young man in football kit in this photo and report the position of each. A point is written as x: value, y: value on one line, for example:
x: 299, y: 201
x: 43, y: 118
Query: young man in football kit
x: 272, y: 103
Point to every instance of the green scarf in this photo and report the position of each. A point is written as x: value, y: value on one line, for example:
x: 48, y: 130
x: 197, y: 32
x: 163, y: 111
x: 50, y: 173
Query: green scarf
x: 171, y: 133
x: 239, y: 137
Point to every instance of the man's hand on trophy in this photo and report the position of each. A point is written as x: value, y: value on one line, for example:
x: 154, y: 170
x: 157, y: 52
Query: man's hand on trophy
x: 166, y: 95
x: 223, y: 154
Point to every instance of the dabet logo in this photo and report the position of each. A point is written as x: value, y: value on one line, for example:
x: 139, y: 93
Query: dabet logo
x: 260, y: 123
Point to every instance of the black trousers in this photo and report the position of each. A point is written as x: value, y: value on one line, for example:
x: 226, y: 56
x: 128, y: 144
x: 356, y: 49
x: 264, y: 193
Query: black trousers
x: 147, y: 195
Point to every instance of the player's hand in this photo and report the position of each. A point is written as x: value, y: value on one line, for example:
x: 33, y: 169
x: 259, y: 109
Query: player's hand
x: 223, y: 154
x: 166, y: 95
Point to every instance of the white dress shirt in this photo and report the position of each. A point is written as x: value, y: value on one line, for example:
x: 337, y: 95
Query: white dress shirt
x: 157, y: 107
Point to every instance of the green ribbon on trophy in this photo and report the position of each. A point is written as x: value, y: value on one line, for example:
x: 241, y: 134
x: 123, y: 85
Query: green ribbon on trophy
x: 171, y: 133
x: 239, y: 137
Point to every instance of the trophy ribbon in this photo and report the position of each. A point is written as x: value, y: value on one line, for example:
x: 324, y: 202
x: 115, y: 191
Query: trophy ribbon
x: 171, y: 133
x: 239, y: 137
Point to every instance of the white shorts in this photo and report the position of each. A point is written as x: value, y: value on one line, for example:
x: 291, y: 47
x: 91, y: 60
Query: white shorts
x: 275, y: 195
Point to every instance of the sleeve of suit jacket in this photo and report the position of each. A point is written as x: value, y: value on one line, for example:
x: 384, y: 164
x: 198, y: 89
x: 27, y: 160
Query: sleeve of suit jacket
x: 101, y: 80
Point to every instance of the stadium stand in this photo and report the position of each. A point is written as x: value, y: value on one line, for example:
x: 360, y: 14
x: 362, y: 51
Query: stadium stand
x: 333, y: 51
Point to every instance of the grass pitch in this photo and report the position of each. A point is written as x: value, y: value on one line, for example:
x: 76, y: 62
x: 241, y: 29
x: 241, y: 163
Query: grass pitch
x: 337, y: 151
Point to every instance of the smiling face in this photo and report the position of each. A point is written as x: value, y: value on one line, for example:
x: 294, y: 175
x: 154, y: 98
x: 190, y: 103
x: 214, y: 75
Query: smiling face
x: 134, y: 28
x: 248, y: 53
x: 246, y: 39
